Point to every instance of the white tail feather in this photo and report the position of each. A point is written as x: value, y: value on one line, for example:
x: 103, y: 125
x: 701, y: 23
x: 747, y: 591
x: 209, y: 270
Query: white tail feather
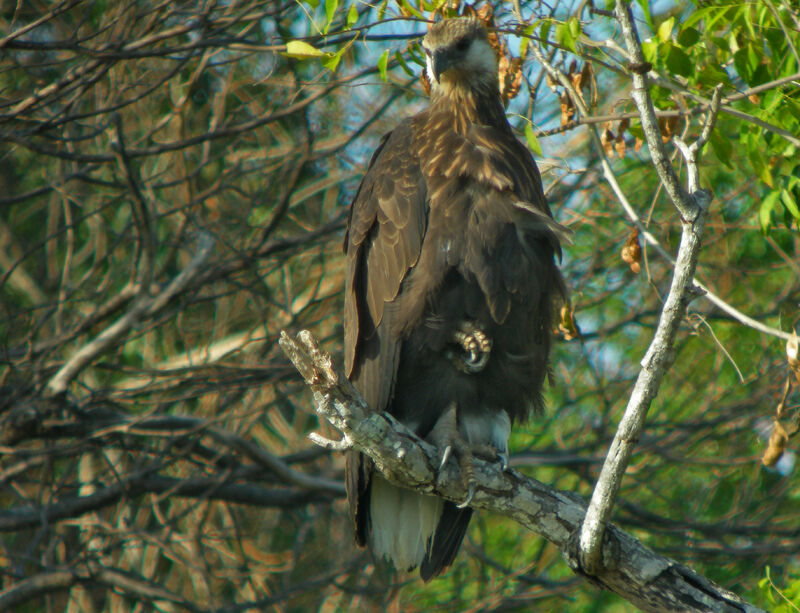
x: 403, y: 523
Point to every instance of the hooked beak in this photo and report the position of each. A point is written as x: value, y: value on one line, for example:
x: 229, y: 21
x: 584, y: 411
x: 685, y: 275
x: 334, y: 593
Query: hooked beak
x: 441, y: 60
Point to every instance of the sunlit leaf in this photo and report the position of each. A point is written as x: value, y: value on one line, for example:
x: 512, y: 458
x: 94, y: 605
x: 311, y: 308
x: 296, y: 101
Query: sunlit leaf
x: 352, y: 16
x: 665, y: 29
x: 645, y: 4
x: 383, y: 60
x: 789, y: 201
x: 574, y: 25
x: 330, y: 11
x: 565, y: 38
x: 402, y: 63
x: 302, y: 50
x: 544, y: 31
x: 408, y: 9
x: 524, y: 40
x: 765, y: 210
x: 698, y: 16
x: 533, y: 142
x: 332, y: 62
x: 382, y: 9
x: 650, y: 50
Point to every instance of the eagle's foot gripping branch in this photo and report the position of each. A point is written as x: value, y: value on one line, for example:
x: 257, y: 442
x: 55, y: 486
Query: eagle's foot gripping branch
x: 447, y: 438
x: 475, y: 348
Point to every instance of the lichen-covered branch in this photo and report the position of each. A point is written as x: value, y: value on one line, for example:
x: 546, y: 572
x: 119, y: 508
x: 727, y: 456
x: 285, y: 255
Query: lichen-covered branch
x: 640, y: 575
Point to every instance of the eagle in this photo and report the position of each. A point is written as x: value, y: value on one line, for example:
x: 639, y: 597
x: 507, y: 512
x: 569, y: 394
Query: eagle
x: 450, y: 290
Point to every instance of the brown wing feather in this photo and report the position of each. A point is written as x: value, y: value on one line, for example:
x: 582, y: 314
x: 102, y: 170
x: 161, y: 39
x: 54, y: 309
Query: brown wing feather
x: 383, y: 241
x: 437, y: 202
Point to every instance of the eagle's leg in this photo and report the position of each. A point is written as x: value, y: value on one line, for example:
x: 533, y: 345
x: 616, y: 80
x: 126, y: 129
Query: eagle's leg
x: 448, y: 439
x: 475, y: 347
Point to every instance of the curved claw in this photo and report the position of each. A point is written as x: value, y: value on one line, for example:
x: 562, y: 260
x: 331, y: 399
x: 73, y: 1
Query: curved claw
x: 448, y: 451
x: 503, y: 457
x: 476, y: 347
x: 476, y: 361
x: 470, y: 495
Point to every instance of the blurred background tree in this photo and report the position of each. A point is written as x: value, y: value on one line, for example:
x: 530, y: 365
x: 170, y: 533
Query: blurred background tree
x: 174, y: 183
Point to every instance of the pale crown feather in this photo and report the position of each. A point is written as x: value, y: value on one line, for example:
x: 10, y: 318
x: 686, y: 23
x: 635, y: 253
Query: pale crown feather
x: 458, y: 52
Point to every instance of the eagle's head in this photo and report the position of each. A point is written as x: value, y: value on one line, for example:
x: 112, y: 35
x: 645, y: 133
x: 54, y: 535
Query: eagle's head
x: 458, y: 55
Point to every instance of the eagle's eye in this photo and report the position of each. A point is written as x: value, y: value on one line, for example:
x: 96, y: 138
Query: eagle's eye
x: 463, y: 44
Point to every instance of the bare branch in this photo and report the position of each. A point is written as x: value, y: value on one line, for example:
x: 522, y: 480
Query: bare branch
x: 641, y: 96
x: 147, y: 482
x: 142, y: 305
x: 655, y: 363
x: 91, y: 573
x: 693, y: 206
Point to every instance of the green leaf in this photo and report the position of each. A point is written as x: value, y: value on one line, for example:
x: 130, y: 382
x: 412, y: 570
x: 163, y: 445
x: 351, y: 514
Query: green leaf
x: 723, y: 148
x: 721, y: 13
x: 383, y: 60
x: 678, y: 62
x: 545, y: 29
x: 416, y: 55
x: 645, y: 4
x: 635, y: 129
x: 405, y: 4
x: 747, y: 16
x: 662, y: 97
x: 665, y: 29
x: 333, y: 59
x: 793, y: 106
x: 402, y: 62
x: 524, y: 40
x: 435, y: 5
x: 688, y: 37
x: 574, y: 25
x: 330, y: 11
x: 312, y: 3
x: 755, y: 153
x: 564, y: 36
x: 382, y: 9
x: 746, y: 61
x: 698, y: 16
x: 352, y: 16
x: 788, y: 200
x: 302, y: 50
x: 650, y: 50
x: 765, y: 212
x: 710, y: 75
x: 533, y: 142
